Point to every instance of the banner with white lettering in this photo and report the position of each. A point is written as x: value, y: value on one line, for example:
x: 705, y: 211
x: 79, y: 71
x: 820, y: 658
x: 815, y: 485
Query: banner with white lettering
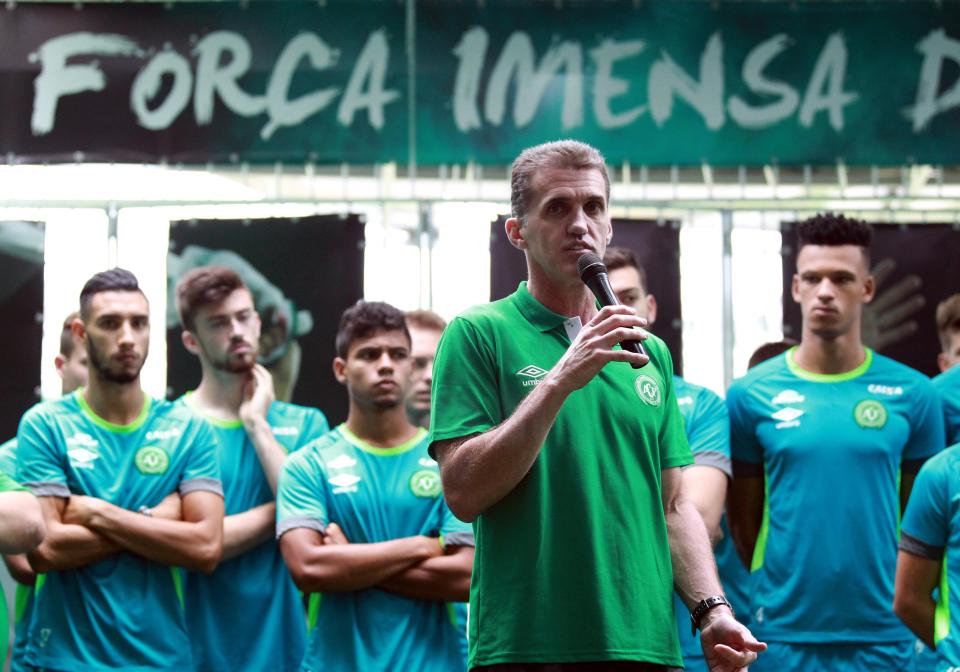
x: 657, y: 83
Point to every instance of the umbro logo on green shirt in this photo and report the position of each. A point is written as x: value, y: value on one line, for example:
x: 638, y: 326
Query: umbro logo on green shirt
x: 533, y: 375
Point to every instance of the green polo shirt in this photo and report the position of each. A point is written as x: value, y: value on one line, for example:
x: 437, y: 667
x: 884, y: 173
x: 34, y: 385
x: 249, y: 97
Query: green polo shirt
x: 573, y: 564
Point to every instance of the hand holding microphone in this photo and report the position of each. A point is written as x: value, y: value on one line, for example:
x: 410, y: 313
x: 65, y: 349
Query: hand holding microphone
x: 593, y: 272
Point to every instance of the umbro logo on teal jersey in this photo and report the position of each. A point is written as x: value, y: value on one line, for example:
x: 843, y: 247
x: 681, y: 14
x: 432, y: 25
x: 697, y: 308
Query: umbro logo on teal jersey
x: 788, y: 397
x: 344, y: 483
x: 342, y: 462
x: 82, y: 458
x: 788, y: 417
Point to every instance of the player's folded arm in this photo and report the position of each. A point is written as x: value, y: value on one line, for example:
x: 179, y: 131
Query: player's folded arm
x: 21, y: 522
x: 65, y: 546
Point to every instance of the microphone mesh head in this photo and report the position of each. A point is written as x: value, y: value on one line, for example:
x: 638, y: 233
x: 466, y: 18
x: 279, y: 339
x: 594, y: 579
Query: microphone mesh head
x: 588, y: 264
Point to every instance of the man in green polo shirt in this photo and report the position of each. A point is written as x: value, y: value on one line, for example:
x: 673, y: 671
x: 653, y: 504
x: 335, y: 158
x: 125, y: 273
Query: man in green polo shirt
x: 568, y: 458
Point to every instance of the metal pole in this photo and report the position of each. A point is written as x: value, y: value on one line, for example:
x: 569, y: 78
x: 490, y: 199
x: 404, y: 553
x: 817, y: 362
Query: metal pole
x: 726, y: 217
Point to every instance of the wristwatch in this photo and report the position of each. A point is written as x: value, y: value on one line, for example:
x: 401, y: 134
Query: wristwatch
x: 701, y: 610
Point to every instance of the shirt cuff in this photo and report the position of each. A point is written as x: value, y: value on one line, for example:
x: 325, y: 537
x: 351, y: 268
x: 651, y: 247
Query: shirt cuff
x: 715, y: 459
x: 459, y: 539
x: 201, y: 484
x: 914, y: 546
x: 288, y: 524
x: 47, y: 489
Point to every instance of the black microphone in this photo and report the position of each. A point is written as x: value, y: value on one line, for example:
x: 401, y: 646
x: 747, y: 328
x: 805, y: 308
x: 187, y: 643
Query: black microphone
x: 593, y: 272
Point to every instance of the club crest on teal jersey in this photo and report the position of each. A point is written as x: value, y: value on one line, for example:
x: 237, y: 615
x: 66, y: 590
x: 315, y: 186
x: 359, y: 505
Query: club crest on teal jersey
x: 425, y: 483
x: 870, y: 414
x: 151, y: 460
x: 647, y: 389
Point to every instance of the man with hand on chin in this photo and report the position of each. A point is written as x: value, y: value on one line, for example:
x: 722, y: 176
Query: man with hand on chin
x: 247, y: 614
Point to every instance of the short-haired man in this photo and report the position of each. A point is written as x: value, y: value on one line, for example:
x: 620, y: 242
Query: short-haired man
x: 707, y: 427
x: 99, y: 459
x: 71, y: 366
x: 568, y: 459
x: 425, y: 328
x: 247, y: 614
x: 948, y: 382
x: 361, y: 519
x: 824, y: 437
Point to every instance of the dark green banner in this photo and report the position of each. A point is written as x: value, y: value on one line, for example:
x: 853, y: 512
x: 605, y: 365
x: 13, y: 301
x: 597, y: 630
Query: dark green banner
x: 657, y: 83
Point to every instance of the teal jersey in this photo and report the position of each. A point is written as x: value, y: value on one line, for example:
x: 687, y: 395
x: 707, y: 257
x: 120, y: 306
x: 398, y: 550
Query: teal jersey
x: 374, y: 495
x: 931, y: 530
x: 707, y: 427
x: 23, y: 603
x: 248, y: 614
x: 831, y: 448
x: 124, y: 611
x: 947, y: 385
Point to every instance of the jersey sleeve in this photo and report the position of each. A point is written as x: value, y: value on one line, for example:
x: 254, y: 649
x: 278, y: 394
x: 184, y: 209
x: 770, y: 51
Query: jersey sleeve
x: 709, y: 432
x: 301, y: 497
x: 926, y: 424
x: 8, y: 457
x: 40, y: 458
x: 925, y: 527
x: 744, y: 445
x: 674, y: 447
x: 465, y: 398
x: 202, y: 472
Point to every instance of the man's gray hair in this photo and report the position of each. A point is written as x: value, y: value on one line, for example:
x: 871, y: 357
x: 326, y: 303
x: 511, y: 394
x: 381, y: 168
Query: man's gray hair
x: 559, y: 154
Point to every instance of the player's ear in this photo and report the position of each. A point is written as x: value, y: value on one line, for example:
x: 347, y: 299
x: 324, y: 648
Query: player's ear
x: 869, y: 289
x: 942, y: 362
x: 339, y: 370
x: 795, y: 288
x: 190, y: 342
x: 78, y: 330
x: 514, y: 228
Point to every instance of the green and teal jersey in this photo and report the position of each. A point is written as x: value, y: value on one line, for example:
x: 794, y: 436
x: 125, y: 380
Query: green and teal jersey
x: 248, y: 614
x: 931, y: 530
x: 374, y: 495
x: 7, y: 484
x: 831, y: 449
x: 947, y: 385
x: 124, y: 611
x: 23, y: 602
x: 582, y: 539
x: 707, y: 426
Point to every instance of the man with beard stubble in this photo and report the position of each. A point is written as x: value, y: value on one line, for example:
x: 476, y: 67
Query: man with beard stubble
x: 247, y: 614
x: 101, y: 460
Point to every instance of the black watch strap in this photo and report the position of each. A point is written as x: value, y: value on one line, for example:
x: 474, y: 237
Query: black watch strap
x: 701, y: 609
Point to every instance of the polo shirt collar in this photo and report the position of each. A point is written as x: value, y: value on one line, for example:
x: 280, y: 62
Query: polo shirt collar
x: 542, y: 317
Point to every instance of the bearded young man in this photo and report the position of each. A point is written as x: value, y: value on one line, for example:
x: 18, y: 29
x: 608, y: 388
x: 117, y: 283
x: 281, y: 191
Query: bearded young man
x: 101, y: 460
x: 247, y: 614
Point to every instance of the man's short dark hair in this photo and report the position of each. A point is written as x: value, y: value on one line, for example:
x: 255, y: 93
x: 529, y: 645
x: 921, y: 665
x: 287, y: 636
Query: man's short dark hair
x: 67, y: 344
x: 201, y: 287
x: 832, y: 230
x: 425, y: 319
x: 366, y: 318
x: 948, y: 320
x: 769, y: 351
x: 622, y: 257
x: 114, y: 280
x: 559, y: 154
